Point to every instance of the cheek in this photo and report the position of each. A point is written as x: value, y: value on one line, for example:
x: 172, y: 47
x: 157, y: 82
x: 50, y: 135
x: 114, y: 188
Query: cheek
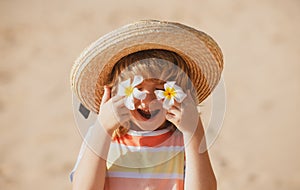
x: 136, y: 102
x: 132, y: 112
x: 157, y: 104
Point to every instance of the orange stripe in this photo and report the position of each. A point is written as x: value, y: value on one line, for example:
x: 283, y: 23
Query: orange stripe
x: 167, y: 139
x: 132, y: 183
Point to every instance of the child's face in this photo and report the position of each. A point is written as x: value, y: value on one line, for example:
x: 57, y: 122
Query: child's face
x: 149, y: 113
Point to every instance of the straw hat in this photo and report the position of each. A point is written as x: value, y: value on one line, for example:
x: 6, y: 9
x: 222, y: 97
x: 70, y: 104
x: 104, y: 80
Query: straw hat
x: 92, y: 69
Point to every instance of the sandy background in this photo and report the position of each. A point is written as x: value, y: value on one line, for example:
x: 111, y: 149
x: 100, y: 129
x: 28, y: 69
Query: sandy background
x: 258, y: 147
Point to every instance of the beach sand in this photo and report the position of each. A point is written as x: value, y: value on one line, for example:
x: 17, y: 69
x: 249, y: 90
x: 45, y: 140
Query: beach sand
x: 258, y: 145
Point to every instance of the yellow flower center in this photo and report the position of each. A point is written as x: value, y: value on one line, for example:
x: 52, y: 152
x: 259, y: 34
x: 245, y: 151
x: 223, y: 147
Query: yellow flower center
x: 170, y: 93
x: 128, y: 90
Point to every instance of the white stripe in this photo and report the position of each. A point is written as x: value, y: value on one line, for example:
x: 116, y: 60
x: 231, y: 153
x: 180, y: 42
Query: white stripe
x: 115, y: 145
x: 149, y: 133
x: 144, y: 175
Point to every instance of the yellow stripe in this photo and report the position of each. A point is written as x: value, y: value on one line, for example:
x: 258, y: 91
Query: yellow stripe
x: 140, y: 158
x: 173, y: 165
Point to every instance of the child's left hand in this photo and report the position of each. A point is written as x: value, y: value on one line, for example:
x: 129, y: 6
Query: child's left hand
x: 185, y: 115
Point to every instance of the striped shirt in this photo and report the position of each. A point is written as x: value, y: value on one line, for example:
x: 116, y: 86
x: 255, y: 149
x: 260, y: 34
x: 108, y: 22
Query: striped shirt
x: 144, y: 160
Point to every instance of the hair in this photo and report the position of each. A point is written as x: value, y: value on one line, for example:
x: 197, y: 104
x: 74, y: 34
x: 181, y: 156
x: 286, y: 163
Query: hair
x: 151, y: 64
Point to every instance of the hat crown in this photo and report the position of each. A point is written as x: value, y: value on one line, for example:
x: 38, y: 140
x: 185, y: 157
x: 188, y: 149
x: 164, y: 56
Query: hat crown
x: 93, y: 67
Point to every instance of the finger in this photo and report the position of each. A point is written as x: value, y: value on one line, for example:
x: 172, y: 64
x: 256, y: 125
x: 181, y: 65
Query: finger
x: 174, y: 111
x: 121, y: 118
x: 120, y: 103
x: 106, y: 95
x: 176, y: 106
x: 123, y: 110
x: 170, y: 117
x: 117, y: 98
x: 124, y: 114
x: 120, y: 111
x: 124, y: 118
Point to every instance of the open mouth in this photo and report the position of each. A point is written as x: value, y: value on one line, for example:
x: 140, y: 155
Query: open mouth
x: 147, y: 114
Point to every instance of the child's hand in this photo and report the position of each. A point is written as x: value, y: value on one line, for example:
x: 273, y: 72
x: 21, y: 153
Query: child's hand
x: 185, y: 115
x: 113, y: 112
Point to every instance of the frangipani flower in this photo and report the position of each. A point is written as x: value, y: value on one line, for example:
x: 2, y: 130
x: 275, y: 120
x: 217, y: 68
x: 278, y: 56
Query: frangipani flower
x: 172, y: 91
x: 130, y: 91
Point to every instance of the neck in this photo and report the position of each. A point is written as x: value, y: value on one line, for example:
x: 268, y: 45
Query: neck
x: 134, y: 127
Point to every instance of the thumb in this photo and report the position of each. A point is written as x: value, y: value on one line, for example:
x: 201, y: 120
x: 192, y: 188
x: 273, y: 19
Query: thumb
x: 106, y: 95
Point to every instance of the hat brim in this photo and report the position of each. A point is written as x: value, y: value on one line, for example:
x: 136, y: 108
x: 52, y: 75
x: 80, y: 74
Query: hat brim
x: 92, y: 69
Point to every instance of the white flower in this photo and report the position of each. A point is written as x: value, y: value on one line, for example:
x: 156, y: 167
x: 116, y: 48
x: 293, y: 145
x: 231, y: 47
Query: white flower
x: 130, y: 91
x: 172, y: 91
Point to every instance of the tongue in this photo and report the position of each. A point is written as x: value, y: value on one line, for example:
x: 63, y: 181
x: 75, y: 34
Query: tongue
x: 145, y: 114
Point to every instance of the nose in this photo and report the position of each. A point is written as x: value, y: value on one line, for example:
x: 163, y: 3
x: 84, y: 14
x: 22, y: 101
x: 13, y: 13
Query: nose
x: 149, y: 98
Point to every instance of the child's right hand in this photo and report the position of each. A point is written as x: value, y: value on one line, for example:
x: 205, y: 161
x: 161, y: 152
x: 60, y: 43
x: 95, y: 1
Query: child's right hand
x: 113, y: 112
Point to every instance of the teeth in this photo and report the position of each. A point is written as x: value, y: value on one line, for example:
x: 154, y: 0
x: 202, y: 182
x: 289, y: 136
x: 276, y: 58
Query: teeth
x: 145, y: 111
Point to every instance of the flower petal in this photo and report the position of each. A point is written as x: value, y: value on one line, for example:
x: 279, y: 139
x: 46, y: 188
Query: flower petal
x: 168, y: 103
x: 180, y: 96
x: 159, y: 94
x: 176, y: 87
x: 137, y: 80
x: 129, y: 103
x: 139, y: 94
x: 169, y: 84
x: 122, y: 86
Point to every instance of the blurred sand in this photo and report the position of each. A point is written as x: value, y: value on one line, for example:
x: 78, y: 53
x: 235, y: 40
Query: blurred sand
x: 258, y: 147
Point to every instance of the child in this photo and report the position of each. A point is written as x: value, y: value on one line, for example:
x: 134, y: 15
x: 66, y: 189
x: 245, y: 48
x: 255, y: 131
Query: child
x: 147, y: 86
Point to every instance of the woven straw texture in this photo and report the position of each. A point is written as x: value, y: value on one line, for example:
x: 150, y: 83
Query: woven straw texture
x: 93, y: 67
